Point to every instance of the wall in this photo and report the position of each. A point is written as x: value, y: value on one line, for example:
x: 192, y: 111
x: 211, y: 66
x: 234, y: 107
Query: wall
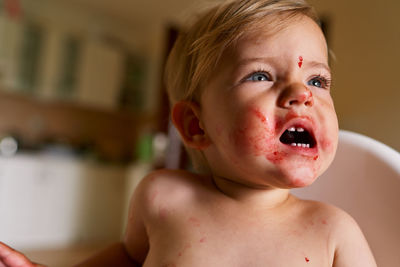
x: 365, y: 37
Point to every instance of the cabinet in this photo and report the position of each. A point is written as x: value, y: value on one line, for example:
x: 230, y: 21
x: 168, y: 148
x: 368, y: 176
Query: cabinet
x: 50, y: 60
x: 100, y: 74
x: 57, y: 201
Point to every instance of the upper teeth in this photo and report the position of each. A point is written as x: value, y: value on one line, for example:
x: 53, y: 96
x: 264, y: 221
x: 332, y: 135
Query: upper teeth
x: 293, y: 129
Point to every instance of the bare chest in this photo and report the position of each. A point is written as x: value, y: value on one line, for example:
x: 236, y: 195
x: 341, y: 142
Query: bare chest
x: 210, y: 240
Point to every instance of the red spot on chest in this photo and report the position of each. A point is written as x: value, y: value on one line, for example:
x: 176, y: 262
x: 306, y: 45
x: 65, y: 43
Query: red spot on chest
x: 194, y: 221
x: 307, y: 259
x: 185, y: 248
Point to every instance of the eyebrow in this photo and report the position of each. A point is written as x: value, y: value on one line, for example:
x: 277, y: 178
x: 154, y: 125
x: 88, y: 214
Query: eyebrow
x: 316, y: 64
x: 313, y: 64
x: 255, y: 59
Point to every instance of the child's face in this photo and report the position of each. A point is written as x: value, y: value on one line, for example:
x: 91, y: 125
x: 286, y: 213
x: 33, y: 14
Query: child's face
x: 268, y: 110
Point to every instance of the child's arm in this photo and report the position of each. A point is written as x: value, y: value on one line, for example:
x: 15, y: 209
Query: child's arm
x: 114, y: 255
x: 352, y: 249
x: 136, y: 240
x: 12, y: 258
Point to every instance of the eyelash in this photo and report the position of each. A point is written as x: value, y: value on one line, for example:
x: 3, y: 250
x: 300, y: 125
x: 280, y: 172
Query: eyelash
x: 260, y: 71
x: 325, y: 82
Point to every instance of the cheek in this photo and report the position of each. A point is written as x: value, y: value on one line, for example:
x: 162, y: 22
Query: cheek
x: 329, y: 139
x: 328, y: 145
x: 254, y: 134
x: 328, y: 149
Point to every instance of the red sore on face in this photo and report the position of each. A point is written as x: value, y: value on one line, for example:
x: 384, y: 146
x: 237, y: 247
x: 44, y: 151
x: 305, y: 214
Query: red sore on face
x: 300, y: 61
x: 255, y: 135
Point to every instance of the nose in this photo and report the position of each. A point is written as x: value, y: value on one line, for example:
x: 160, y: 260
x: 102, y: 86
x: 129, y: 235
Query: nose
x: 295, y: 95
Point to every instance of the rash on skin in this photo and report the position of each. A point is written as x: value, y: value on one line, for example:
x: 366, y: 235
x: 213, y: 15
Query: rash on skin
x: 185, y: 248
x: 257, y: 136
x: 194, y: 221
x: 163, y: 212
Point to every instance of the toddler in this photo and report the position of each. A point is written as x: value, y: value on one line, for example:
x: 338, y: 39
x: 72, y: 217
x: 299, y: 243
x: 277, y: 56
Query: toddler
x: 249, y: 85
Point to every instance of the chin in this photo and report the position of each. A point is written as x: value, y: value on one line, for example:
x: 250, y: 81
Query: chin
x: 300, y: 177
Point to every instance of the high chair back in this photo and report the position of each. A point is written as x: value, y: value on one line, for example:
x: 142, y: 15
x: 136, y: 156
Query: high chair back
x: 364, y: 180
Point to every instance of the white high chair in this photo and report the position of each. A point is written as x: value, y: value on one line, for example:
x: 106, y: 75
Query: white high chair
x: 364, y: 180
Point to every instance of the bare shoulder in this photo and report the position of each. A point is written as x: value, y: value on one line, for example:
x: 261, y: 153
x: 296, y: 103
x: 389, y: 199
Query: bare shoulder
x: 154, y: 198
x: 173, y: 181
x: 345, y: 236
x: 328, y: 214
x: 169, y: 187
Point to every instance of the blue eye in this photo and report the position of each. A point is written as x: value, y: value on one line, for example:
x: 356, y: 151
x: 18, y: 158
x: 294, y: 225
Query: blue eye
x: 319, y: 82
x: 258, y: 77
x: 315, y: 82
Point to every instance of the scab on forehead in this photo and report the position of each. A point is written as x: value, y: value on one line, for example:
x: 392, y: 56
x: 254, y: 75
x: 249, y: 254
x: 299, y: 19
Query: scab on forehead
x: 300, y: 63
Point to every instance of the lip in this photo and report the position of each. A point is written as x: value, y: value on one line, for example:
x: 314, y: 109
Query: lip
x: 308, y: 152
x: 305, y: 122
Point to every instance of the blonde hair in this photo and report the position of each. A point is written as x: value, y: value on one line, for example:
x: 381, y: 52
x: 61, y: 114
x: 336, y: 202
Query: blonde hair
x: 198, y: 48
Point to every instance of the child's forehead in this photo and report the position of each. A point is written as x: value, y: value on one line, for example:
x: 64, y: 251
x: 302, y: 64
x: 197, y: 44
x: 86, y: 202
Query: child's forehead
x: 256, y: 48
x: 213, y: 50
x: 272, y: 24
x: 269, y: 27
x: 299, y: 31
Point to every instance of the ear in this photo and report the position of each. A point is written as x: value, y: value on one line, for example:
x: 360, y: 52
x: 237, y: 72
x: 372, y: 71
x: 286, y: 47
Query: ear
x: 185, y: 116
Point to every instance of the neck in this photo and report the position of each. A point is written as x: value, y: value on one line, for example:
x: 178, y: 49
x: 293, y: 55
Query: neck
x: 265, y: 197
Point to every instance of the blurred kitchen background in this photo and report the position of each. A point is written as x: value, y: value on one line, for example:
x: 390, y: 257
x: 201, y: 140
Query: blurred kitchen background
x: 83, y: 114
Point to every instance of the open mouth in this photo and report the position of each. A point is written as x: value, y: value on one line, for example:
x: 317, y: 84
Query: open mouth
x: 298, y: 137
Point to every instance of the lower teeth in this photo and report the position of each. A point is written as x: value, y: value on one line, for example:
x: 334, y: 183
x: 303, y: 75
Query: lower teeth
x: 301, y: 145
